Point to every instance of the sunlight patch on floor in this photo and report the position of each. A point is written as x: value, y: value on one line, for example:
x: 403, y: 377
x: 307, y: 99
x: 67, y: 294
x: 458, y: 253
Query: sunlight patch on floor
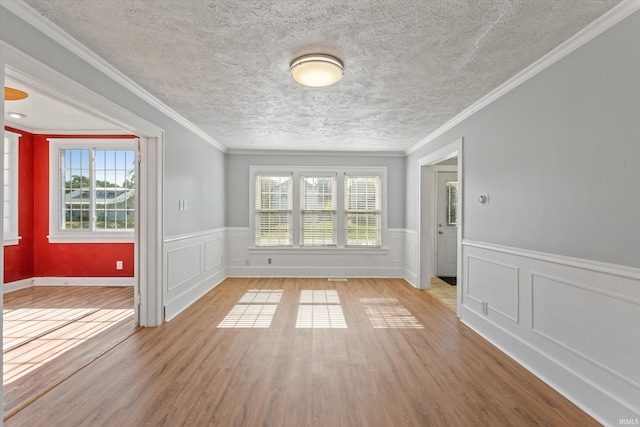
x: 320, y: 316
x: 319, y: 296
x: 261, y: 296
x: 387, y: 313
x: 255, y: 309
x: 33, y: 337
x: 320, y: 309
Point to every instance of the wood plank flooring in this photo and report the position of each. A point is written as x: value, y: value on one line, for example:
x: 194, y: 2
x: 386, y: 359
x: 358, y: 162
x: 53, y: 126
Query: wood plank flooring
x: 305, y: 352
x: 49, y: 333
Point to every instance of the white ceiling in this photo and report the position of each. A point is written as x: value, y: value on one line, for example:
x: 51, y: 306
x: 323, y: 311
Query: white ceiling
x: 410, y: 65
x: 47, y: 114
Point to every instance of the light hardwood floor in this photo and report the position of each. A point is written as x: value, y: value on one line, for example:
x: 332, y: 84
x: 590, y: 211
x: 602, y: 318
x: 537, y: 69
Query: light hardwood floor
x: 49, y: 333
x: 305, y: 352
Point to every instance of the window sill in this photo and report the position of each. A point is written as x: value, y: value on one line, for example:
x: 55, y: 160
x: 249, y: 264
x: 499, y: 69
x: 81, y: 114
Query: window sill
x: 12, y: 241
x: 96, y: 237
x: 351, y: 250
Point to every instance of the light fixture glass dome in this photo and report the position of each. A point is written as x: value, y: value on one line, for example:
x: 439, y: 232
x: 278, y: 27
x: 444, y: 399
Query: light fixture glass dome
x: 316, y: 70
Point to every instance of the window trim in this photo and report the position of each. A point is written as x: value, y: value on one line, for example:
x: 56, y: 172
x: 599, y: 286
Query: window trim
x: 60, y: 235
x: 13, y: 238
x: 333, y: 211
x: 289, y: 210
x: 340, y: 172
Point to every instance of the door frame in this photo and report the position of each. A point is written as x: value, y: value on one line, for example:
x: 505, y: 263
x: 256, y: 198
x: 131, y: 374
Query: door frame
x: 148, y: 272
x: 427, y: 215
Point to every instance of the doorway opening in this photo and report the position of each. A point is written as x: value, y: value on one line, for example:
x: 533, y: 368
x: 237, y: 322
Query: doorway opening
x: 87, y: 320
x: 440, y: 224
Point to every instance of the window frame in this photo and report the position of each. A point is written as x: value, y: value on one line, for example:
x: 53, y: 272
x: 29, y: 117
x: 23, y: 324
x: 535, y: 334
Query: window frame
x: 367, y: 212
x: 13, y: 237
x: 333, y: 212
x: 65, y: 235
x: 288, y: 211
x: 297, y: 173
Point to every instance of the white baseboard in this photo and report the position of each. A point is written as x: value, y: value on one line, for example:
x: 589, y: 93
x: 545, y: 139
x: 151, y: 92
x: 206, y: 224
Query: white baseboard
x: 182, y: 302
x: 83, y: 281
x: 16, y: 285
x: 350, y: 272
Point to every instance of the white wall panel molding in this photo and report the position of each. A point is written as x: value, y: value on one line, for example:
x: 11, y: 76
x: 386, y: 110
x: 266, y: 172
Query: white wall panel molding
x: 578, y: 322
x: 601, y: 267
x: 194, y: 264
x: 607, y: 334
x: 495, y: 284
x: 411, y: 257
x: 244, y: 261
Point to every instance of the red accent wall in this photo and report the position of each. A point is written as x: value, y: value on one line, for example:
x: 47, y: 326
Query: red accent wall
x: 34, y: 256
x: 18, y: 259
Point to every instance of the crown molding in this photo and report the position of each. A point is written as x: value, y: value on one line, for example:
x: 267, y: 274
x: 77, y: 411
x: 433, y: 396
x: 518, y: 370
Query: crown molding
x: 39, y: 131
x: 42, y: 24
x: 247, y: 152
x: 597, y: 27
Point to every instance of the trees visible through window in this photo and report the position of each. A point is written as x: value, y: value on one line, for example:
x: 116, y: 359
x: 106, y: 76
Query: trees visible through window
x: 95, y: 189
x: 106, y: 202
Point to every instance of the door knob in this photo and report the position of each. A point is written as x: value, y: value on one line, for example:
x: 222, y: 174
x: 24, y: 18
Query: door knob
x: 440, y: 232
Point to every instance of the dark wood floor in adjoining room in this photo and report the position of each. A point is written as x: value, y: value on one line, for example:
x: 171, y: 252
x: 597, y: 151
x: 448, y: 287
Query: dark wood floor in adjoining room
x: 51, y: 332
x: 305, y: 352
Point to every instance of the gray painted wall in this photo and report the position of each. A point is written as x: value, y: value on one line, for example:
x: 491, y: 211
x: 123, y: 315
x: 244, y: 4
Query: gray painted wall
x: 559, y: 157
x: 193, y: 169
x: 237, y: 167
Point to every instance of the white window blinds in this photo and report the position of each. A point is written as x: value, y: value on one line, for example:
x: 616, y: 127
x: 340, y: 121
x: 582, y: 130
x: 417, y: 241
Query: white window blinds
x: 274, y: 210
x: 362, y: 210
x: 318, y: 211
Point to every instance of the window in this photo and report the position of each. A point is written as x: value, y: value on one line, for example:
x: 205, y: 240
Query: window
x: 10, y: 189
x: 318, y: 210
x: 92, y: 189
x: 274, y: 210
x: 452, y: 203
x: 362, y: 210
x: 298, y: 207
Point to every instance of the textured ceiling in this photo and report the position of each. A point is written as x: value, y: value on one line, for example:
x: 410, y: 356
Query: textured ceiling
x: 410, y: 65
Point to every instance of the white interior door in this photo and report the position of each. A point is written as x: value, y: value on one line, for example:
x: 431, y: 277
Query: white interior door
x: 447, y: 215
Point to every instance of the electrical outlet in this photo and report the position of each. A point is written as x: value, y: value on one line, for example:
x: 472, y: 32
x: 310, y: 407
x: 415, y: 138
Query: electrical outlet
x: 269, y: 261
x: 118, y: 265
x: 485, y: 307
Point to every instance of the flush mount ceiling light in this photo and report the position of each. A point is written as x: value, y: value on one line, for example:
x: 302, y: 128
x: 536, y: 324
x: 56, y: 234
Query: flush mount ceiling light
x: 11, y: 94
x: 15, y: 115
x: 316, y: 70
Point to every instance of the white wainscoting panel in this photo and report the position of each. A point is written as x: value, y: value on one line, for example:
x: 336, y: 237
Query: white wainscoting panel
x: 578, y: 328
x: 411, y: 257
x: 601, y: 327
x: 314, y: 262
x: 183, y: 264
x: 494, y: 283
x: 194, y: 264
